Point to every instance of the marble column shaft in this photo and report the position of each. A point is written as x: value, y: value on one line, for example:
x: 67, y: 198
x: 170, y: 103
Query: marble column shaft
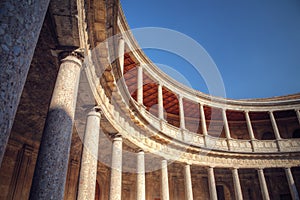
x: 160, y: 102
x: 21, y: 23
x: 226, y: 126
x: 181, y: 112
x: 188, y: 182
x: 298, y: 115
x: 140, y: 85
x: 249, y: 126
x: 121, y: 50
x: 203, y: 120
x: 274, y: 125
x: 263, y: 184
x: 237, y: 184
x: 291, y: 182
x: 89, y: 160
x: 52, y: 162
x: 115, y: 192
x: 164, y: 180
x: 212, y: 184
x: 140, y: 177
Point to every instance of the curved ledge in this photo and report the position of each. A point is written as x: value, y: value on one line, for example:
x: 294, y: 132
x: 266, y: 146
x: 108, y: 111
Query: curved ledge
x: 173, y: 143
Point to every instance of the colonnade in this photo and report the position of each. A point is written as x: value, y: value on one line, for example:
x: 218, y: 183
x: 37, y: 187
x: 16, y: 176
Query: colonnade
x: 116, y: 178
x: 51, y: 168
x: 52, y: 162
x: 140, y: 71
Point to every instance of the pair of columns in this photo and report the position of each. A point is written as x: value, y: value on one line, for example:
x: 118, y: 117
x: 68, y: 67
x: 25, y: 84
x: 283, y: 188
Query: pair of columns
x: 290, y: 180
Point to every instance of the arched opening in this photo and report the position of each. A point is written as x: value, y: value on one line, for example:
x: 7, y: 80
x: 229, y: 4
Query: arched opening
x: 296, y: 133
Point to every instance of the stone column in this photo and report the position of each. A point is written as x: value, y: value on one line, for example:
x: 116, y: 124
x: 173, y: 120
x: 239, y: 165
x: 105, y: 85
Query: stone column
x: 121, y: 51
x: 203, y: 121
x: 116, y: 169
x: 188, y: 182
x: 237, y: 185
x: 226, y: 126
x: 181, y: 112
x: 249, y: 126
x: 298, y: 115
x: 263, y: 184
x: 250, y: 129
x: 292, y: 186
x: 21, y: 22
x: 160, y: 102
x: 89, y: 160
x: 164, y: 180
x: 274, y: 125
x: 140, y: 177
x: 52, y: 162
x: 140, y: 85
x: 212, y: 184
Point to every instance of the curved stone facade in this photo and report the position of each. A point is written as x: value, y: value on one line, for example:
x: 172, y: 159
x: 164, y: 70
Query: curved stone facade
x: 116, y: 127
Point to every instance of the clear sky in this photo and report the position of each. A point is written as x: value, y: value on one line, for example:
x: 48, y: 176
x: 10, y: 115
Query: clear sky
x: 255, y: 44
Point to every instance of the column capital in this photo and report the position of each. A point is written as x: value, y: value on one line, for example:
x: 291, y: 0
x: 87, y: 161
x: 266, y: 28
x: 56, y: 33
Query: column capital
x: 117, y: 137
x: 271, y: 112
x: 121, y: 37
x: 140, y: 151
x: 160, y: 83
x: 95, y: 111
x: 187, y: 164
x: 64, y: 53
x: 164, y: 160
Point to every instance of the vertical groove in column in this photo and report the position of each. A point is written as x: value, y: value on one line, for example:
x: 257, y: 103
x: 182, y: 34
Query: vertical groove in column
x: 263, y: 184
x: 237, y: 185
x: 52, y: 162
x: 291, y: 182
x: 89, y: 160
x: 164, y: 180
x: 141, y: 182
x: 212, y: 184
x: 188, y: 182
x: 115, y: 191
x: 140, y: 85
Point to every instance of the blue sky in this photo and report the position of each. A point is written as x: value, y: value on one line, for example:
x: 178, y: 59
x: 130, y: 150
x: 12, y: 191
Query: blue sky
x: 255, y: 44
